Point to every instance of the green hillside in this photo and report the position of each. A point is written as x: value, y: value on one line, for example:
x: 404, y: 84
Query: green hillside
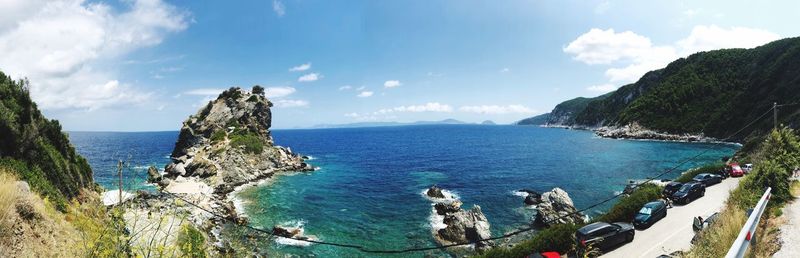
x: 36, y: 148
x: 714, y: 93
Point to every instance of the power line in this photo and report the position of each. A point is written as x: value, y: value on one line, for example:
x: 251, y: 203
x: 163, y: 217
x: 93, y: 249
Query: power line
x: 507, y: 235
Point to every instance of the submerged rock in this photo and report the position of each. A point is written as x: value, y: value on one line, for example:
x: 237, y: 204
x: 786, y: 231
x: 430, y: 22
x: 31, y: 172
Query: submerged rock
x: 532, y: 197
x: 556, y: 207
x: 435, y: 192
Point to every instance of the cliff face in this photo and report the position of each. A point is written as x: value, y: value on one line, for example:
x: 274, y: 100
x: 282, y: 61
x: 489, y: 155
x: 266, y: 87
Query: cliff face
x: 228, y: 143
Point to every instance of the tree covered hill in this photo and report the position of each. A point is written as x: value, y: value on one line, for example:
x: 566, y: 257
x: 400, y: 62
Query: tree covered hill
x: 715, y: 93
x: 36, y: 149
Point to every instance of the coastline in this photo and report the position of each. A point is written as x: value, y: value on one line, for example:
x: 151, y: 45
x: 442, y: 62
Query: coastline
x: 637, y: 133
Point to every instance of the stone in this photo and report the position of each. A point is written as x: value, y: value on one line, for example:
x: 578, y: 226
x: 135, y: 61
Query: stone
x: 445, y: 208
x: 556, y: 207
x: 435, y: 192
x: 153, y: 176
x: 470, y: 226
x: 23, y: 187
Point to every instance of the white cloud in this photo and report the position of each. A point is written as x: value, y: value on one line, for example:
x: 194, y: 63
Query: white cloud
x: 289, y: 103
x: 64, y: 46
x: 631, y: 55
x: 346, y: 87
x: 704, y: 38
x: 365, y: 94
x: 204, y: 92
x: 309, y: 77
x: 497, y: 110
x: 603, y: 88
x: 351, y: 114
x: 391, y: 84
x: 301, y: 67
x: 277, y: 92
x: 279, y: 8
x: 361, y: 88
x: 691, y: 12
x: 505, y: 70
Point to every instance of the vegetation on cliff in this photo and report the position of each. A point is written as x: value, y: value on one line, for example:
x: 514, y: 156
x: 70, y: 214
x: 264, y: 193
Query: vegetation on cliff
x: 35, y: 148
x: 714, y: 93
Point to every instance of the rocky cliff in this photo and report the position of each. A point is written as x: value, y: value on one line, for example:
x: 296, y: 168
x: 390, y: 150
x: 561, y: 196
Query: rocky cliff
x: 228, y: 143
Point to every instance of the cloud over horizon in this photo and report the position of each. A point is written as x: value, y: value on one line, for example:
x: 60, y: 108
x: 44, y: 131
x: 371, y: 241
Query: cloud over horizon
x: 63, y: 43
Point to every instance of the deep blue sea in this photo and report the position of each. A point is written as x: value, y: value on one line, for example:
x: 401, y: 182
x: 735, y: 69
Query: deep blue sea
x: 368, y: 191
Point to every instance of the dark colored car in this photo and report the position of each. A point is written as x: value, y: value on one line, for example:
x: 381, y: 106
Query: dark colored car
x: 604, y: 236
x: 724, y: 173
x: 707, y: 222
x: 650, y: 213
x: 707, y: 179
x: 689, y: 192
x: 671, y: 188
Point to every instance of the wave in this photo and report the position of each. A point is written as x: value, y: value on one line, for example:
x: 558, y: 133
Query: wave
x: 449, y: 196
x: 291, y: 241
x: 436, y: 221
x: 298, y: 225
x: 309, y: 157
x: 519, y: 193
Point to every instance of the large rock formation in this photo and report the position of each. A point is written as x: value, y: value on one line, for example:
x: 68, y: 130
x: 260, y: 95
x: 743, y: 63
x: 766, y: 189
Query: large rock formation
x: 555, y: 207
x: 228, y: 143
x: 459, y: 225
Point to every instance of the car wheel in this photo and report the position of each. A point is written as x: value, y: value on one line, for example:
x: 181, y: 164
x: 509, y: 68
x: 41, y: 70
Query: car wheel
x: 629, y: 238
x: 703, y: 193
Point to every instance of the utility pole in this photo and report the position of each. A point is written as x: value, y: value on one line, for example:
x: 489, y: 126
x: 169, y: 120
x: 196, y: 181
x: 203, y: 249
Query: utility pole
x: 119, y: 173
x: 775, y: 115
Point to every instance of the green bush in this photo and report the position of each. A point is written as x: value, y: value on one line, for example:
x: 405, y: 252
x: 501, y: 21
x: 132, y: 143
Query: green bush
x: 258, y: 90
x: 191, y: 242
x: 251, y: 142
x: 709, y: 168
x: 37, y: 180
x: 252, y: 98
x: 559, y: 238
x: 628, y: 206
x: 218, y: 135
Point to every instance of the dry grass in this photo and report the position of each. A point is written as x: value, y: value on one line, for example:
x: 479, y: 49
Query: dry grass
x: 8, y: 198
x: 717, y: 239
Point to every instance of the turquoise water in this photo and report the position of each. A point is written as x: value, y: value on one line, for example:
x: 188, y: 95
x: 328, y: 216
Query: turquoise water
x: 368, y: 191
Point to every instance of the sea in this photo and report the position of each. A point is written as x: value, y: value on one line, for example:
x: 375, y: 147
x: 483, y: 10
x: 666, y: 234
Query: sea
x: 369, y: 188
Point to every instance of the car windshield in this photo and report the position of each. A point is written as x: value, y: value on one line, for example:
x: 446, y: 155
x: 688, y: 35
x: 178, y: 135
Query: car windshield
x: 646, y: 210
x: 699, y: 177
x: 685, y: 188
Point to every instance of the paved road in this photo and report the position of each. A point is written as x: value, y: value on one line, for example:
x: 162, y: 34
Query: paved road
x: 789, y: 231
x: 674, y: 232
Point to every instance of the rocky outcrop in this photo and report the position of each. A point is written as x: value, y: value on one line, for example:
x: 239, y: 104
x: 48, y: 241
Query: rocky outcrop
x: 531, y: 197
x: 434, y: 192
x: 228, y: 143
x: 636, y: 131
x: 458, y: 225
x: 556, y: 207
x: 153, y: 176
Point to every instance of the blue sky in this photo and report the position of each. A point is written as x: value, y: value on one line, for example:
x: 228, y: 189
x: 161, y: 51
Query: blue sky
x: 145, y: 65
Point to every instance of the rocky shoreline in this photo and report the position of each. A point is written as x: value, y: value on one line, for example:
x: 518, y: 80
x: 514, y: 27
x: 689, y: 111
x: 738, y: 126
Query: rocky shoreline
x: 223, y: 149
x: 634, y: 131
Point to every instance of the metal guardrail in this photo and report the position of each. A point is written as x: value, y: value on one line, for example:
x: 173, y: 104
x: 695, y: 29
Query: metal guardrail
x: 748, y: 232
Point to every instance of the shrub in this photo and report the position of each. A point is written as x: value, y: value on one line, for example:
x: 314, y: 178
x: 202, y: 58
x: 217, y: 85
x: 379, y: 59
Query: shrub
x: 559, y: 238
x: 709, y: 168
x: 628, y: 206
x: 218, y: 135
x: 251, y: 142
x: 258, y: 90
x: 191, y: 242
x: 252, y: 98
x: 8, y: 198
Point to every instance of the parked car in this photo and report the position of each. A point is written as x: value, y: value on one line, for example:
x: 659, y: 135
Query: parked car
x: 747, y: 168
x: 724, y: 173
x: 707, y: 222
x: 707, y: 179
x: 650, y: 213
x: 736, y: 171
x: 671, y: 188
x: 604, y: 236
x: 545, y: 255
x: 689, y: 192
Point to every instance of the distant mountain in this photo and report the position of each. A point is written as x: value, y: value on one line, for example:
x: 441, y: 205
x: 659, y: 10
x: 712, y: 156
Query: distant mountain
x: 384, y: 124
x: 714, y: 93
x: 488, y: 122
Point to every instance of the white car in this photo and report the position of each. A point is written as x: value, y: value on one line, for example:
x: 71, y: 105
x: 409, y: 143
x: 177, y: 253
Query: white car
x: 747, y: 167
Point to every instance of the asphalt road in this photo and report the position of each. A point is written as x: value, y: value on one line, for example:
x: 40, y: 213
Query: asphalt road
x: 673, y: 232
